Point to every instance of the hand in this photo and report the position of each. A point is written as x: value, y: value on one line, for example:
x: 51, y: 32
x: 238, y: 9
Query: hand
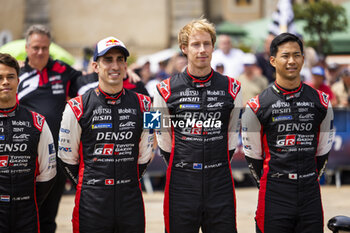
x: 133, y: 77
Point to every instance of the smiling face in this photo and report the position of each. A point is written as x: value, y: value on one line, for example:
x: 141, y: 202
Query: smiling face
x: 37, y: 49
x: 111, y: 69
x: 199, y: 52
x: 288, y: 61
x: 8, y: 86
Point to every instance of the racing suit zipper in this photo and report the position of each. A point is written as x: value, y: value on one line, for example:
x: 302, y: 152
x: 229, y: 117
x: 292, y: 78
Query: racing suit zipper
x: 204, y: 110
x: 9, y: 134
x: 115, y: 191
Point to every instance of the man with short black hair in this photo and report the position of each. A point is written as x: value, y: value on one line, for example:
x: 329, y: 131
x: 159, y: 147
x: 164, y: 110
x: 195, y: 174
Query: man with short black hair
x: 106, y: 148
x: 27, y: 156
x: 287, y: 134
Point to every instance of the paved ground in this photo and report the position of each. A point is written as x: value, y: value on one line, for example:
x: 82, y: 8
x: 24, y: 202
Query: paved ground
x: 335, y: 202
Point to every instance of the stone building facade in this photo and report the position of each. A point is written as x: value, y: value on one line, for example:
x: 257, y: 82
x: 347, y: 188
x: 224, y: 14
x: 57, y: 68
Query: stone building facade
x: 145, y: 26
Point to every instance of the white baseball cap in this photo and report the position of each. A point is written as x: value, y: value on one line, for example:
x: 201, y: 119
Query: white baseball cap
x: 103, y: 46
x: 249, y: 59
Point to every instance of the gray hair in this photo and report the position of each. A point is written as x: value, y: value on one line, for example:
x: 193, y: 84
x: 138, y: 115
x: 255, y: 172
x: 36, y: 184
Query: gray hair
x: 37, y: 29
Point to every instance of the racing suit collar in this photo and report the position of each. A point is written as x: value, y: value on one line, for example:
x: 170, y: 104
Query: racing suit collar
x: 199, y: 82
x: 108, y: 98
x: 287, y: 94
x: 27, y: 67
x: 8, y: 112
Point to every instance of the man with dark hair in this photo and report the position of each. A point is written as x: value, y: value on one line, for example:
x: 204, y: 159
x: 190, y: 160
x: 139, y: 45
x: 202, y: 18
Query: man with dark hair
x: 27, y: 156
x: 106, y: 149
x: 44, y: 86
x: 287, y: 134
x: 204, y: 107
x: 90, y: 81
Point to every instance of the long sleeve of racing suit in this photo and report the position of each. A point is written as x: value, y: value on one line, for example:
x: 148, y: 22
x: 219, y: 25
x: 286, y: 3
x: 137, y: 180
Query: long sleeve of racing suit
x: 69, y: 159
x: 164, y: 136
x: 253, y: 149
x: 47, y: 164
x: 326, y: 134
x: 251, y: 138
x: 234, y: 125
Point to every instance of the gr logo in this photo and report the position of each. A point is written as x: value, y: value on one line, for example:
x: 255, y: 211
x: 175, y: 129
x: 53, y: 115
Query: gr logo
x: 4, y: 160
x: 104, y: 149
x: 286, y: 140
x: 151, y: 120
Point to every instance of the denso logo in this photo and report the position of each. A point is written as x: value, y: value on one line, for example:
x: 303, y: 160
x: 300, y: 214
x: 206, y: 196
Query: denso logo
x: 104, y: 149
x: 202, y: 115
x: 14, y: 147
x: 294, y: 127
x: 286, y: 140
x: 21, y: 123
x: 114, y: 136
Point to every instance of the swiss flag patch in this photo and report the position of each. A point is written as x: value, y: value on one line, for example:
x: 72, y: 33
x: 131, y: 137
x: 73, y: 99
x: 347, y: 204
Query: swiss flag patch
x: 38, y: 120
x: 77, y: 106
x: 109, y: 181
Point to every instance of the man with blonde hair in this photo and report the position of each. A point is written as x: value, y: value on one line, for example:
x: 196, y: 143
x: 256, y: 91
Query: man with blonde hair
x: 204, y: 110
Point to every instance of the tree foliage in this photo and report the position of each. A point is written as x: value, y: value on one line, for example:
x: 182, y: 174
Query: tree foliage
x: 322, y: 19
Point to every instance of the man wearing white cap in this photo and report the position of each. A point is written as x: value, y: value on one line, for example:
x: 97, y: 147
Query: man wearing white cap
x: 104, y: 149
x: 253, y: 82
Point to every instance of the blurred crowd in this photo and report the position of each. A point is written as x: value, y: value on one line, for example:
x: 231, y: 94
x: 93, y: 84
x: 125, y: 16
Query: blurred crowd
x: 252, y: 70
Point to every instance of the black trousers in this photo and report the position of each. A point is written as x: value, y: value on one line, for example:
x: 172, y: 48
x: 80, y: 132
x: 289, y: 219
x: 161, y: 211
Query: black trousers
x: 48, y: 210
